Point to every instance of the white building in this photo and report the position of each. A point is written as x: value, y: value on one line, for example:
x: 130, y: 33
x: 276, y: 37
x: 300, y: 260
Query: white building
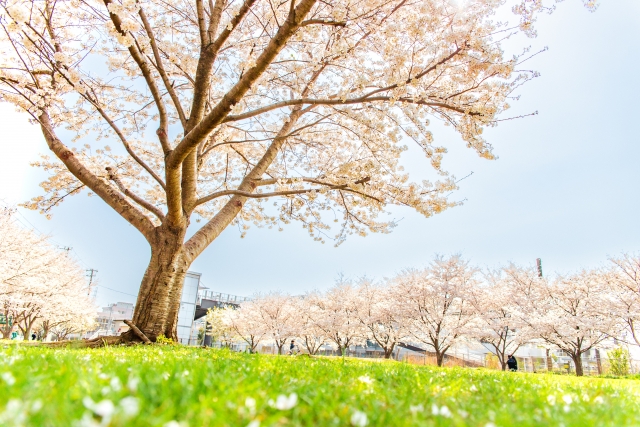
x: 187, y: 311
x: 111, y: 318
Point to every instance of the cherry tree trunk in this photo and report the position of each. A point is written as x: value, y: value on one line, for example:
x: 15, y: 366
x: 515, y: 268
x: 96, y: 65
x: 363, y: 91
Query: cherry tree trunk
x: 156, y: 311
x: 388, y: 351
x: 439, y: 358
x: 577, y: 360
x: 6, y: 332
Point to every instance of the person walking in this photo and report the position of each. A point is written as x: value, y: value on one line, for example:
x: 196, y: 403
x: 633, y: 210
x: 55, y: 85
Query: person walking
x: 512, y: 363
x: 292, y: 347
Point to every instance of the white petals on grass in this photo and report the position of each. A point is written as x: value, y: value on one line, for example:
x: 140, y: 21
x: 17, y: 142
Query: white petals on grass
x: 132, y: 384
x: 250, y: 404
x: 443, y: 411
x: 551, y: 399
x: 414, y: 409
x: 14, y: 414
x: 359, y: 419
x: 473, y: 388
x: 104, y: 408
x: 115, y: 384
x: 567, y: 399
x: 8, y: 378
x: 365, y: 379
x: 254, y: 423
x: 598, y: 399
x: 130, y: 406
x: 284, y: 403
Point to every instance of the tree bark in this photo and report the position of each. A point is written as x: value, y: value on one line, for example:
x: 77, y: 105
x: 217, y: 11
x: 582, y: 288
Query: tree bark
x: 388, y: 351
x: 156, y: 311
x: 439, y: 358
x: 577, y: 360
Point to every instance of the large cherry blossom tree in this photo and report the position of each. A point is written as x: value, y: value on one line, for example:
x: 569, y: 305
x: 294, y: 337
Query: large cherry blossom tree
x: 184, y: 111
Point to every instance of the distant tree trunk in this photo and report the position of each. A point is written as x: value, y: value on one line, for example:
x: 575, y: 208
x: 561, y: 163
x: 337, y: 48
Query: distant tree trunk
x: 388, y: 351
x: 440, y: 357
x: 6, y: 332
x: 7, y: 328
x: 577, y: 360
x: 549, y: 362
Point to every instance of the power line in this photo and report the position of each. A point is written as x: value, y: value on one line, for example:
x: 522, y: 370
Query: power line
x: 102, y: 286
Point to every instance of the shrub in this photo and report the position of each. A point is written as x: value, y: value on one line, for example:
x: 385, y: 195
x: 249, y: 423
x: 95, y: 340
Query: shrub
x: 619, y: 361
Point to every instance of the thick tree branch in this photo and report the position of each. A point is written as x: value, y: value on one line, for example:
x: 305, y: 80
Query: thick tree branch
x: 107, y: 193
x: 208, y: 52
x: 235, y: 94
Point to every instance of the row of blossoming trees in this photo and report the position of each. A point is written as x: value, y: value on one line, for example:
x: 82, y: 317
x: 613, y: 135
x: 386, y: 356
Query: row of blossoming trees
x: 449, y: 302
x: 41, y: 287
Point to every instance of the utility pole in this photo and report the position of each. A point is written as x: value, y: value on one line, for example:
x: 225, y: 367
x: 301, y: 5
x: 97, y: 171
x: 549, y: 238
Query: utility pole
x: 90, y: 273
x: 539, y: 264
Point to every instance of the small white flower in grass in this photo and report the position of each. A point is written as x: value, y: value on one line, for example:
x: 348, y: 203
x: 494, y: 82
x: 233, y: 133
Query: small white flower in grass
x: 365, y: 379
x: 359, y: 419
x: 172, y: 423
x: 489, y: 425
x: 598, y: 399
x: 566, y: 408
x: 166, y: 375
x: 254, y: 423
x: 585, y: 397
x: 115, y: 384
x: 442, y: 411
x: 250, y: 404
x: 463, y: 414
x: 36, y: 405
x: 130, y: 406
x: 104, y: 409
x: 185, y: 374
x: 473, y: 388
x: 415, y: 409
x: 8, y: 378
x: 284, y: 403
x: 567, y: 399
x: 551, y: 399
x: 132, y: 384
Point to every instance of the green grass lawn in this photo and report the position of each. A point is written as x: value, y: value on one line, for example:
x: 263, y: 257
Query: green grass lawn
x: 181, y: 386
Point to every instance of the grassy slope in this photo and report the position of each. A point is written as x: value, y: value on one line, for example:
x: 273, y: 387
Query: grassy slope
x: 43, y: 387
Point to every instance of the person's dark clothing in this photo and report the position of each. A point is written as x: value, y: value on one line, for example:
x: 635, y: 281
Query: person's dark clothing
x: 512, y: 363
x: 291, y: 346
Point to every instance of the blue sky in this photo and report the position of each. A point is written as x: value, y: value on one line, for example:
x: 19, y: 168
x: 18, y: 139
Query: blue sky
x: 564, y: 189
